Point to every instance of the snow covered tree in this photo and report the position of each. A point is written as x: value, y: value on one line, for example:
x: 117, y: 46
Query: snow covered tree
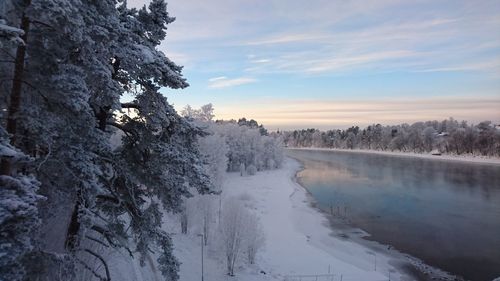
x: 212, y: 144
x: 486, y: 137
x: 18, y: 213
x: 214, y: 149
x: 251, y: 170
x: 184, y: 219
x: 242, y: 169
x: 240, y: 231
x: 448, y: 136
x: 231, y: 235
x: 317, y: 141
x: 204, y: 114
x: 248, y: 146
x: 206, y: 208
x: 428, y: 135
x: 10, y: 34
x: 254, y: 237
x: 66, y: 80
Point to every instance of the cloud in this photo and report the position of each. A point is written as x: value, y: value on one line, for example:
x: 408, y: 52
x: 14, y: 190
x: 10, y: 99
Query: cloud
x: 177, y: 57
x: 434, y: 43
x: 261, y: 61
x: 328, y: 36
x: 217, y: 79
x: 478, y: 66
x: 340, y: 63
x: 288, y: 38
x: 224, y: 82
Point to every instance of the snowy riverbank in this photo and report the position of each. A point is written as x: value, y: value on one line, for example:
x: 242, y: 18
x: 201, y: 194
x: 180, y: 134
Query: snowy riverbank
x: 446, y: 157
x: 299, y: 239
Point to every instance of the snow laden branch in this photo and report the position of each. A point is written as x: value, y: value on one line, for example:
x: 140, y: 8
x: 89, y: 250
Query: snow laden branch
x: 105, y: 190
x: 10, y: 34
x: 19, y: 213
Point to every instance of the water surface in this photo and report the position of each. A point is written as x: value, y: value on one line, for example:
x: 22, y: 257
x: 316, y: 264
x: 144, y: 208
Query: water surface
x: 446, y: 213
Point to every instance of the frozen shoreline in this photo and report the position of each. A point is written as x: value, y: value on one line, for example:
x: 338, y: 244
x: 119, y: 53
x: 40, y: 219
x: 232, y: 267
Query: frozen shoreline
x: 299, y: 238
x: 444, y: 157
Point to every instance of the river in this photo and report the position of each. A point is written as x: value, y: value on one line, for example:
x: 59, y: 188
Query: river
x: 446, y: 213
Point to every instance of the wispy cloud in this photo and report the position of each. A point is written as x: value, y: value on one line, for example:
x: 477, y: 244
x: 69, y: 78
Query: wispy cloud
x: 178, y: 57
x: 288, y: 38
x: 357, y: 60
x: 479, y: 66
x: 435, y: 43
x: 224, y: 82
x: 261, y: 61
x: 217, y: 79
x: 328, y: 35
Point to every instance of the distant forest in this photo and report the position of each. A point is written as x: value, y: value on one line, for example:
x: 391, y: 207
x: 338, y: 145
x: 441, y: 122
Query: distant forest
x: 448, y: 136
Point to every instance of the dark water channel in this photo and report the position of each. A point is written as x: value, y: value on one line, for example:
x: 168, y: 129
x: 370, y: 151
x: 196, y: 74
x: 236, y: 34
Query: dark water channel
x: 446, y: 213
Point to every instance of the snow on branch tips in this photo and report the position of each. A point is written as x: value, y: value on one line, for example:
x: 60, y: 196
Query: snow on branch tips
x: 10, y: 33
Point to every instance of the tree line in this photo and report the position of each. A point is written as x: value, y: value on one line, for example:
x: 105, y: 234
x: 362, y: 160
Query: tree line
x: 247, y: 145
x: 448, y: 136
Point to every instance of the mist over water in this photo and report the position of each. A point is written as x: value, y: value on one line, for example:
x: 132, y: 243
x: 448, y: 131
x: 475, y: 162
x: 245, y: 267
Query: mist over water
x: 445, y: 213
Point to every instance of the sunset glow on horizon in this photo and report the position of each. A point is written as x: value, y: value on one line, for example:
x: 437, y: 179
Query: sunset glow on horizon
x: 340, y: 114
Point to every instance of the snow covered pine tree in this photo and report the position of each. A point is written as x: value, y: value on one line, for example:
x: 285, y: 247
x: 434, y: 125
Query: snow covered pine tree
x: 66, y: 81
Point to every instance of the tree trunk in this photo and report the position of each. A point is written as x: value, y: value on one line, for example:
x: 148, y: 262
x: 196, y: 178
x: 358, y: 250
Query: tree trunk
x: 184, y: 222
x: 102, y: 117
x: 73, y: 229
x: 15, y: 93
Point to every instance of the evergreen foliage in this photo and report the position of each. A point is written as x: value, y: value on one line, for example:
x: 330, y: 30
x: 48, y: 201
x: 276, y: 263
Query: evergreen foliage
x: 68, y: 65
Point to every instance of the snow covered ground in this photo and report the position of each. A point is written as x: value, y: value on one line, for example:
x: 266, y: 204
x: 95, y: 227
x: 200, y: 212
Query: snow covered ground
x: 447, y: 157
x: 299, y: 240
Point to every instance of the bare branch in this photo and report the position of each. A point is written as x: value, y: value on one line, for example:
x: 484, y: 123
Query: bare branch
x: 108, y: 235
x: 44, y: 24
x: 8, y: 54
x: 98, y: 215
x: 37, y: 90
x: 87, y: 267
x: 45, y: 158
x: 105, y: 233
x: 130, y: 105
x: 97, y: 241
x: 103, y: 261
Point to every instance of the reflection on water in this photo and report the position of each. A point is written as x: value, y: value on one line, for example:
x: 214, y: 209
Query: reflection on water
x: 446, y: 213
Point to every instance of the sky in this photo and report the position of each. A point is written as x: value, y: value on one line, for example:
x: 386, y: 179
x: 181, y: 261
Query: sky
x: 292, y: 64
